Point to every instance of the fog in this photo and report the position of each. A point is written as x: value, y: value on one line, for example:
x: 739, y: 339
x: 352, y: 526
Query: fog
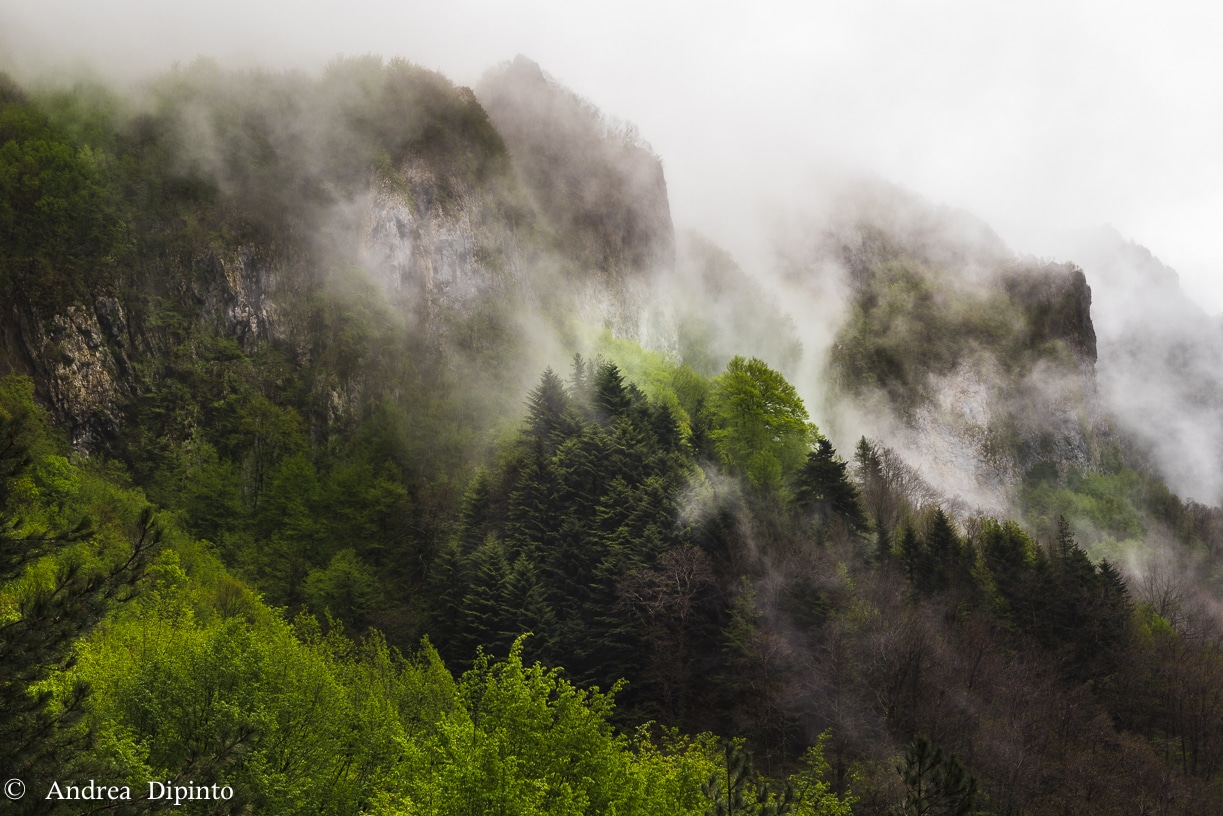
x: 980, y: 142
x: 1042, y: 121
x: 1037, y: 117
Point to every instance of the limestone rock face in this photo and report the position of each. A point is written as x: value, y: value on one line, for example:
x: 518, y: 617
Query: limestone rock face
x: 237, y: 294
x: 82, y: 368
x: 435, y: 260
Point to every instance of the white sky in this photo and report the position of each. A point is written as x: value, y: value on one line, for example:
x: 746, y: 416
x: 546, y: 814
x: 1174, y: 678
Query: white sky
x: 1037, y: 116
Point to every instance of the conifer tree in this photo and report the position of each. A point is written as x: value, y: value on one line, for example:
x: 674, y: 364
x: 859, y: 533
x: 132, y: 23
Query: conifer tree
x: 546, y: 406
x: 912, y: 553
x: 665, y: 429
x: 876, y: 497
x: 730, y: 788
x: 448, y: 584
x: 482, y: 614
x: 823, y: 489
x: 611, y: 396
x: 525, y: 608
x: 943, y: 552
x: 937, y: 784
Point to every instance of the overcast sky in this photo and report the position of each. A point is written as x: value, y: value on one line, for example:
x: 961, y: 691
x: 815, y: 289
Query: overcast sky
x: 1037, y: 116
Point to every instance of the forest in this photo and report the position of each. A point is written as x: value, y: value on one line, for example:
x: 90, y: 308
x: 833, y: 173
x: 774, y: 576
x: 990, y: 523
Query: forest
x: 342, y: 466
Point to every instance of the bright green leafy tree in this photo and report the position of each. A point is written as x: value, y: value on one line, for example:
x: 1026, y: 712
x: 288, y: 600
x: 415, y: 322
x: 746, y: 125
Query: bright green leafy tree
x: 761, y: 427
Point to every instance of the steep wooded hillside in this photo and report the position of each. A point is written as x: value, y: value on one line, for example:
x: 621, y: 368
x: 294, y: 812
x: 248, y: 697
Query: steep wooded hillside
x: 369, y: 445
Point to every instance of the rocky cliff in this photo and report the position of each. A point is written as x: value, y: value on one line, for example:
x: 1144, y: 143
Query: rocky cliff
x: 1160, y: 362
x: 602, y: 199
x: 253, y: 206
x: 976, y: 365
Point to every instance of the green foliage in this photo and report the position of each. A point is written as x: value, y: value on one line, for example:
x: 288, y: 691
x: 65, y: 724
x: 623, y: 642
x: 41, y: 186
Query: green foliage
x: 937, y: 784
x: 679, y: 387
x: 823, y: 490
x: 812, y: 791
x: 72, y: 545
x: 292, y: 719
x: 909, y: 320
x: 347, y: 589
x: 59, y: 229
x: 1098, y: 504
x: 760, y: 426
x: 524, y: 740
x: 287, y: 723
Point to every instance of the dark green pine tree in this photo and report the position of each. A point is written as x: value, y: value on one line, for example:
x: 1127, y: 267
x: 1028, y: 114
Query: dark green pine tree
x: 734, y: 789
x: 943, y: 552
x: 912, y: 554
x: 823, y: 489
x: 630, y: 454
x: 665, y: 429
x: 1065, y: 538
x: 730, y: 789
x: 579, y: 380
x: 1113, y: 587
x: 477, y: 517
x: 536, y: 505
x: 937, y: 784
x: 1080, y: 611
x: 868, y: 469
x: 482, y: 616
x: 448, y: 584
x: 548, y: 407
x: 1111, y: 612
x: 525, y: 608
x: 1074, y: 586
x: 580, y: 476
x: 611, y: 398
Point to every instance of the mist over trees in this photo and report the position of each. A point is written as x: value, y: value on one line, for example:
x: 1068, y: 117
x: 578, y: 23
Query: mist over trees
x: 370, y: 445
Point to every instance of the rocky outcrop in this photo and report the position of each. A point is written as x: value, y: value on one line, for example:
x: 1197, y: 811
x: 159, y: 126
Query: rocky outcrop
x: 599, y: 189
x: 81, y: 363
x: 975, y: 365
x: 432, y: 261
x: 236, y: 293
x: 1160, y: 363
x: 1056, y: 304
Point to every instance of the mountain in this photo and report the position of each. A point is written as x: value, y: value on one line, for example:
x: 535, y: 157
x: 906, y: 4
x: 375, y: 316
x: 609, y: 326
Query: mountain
x: 974, y: 362
x: 1161, y: 362
x: 318, y: 393
x: 245, y: 199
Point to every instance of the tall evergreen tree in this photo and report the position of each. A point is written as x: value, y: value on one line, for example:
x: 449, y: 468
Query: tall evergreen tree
x: 525, y: 608
x: 546, y: 406
x: 611, y: 395
x: 912, y: 553
x: 943, y: 553
x: 823, y: 489
x: 937, y: 784
x: 877, y: 499
x: 483, y: 612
